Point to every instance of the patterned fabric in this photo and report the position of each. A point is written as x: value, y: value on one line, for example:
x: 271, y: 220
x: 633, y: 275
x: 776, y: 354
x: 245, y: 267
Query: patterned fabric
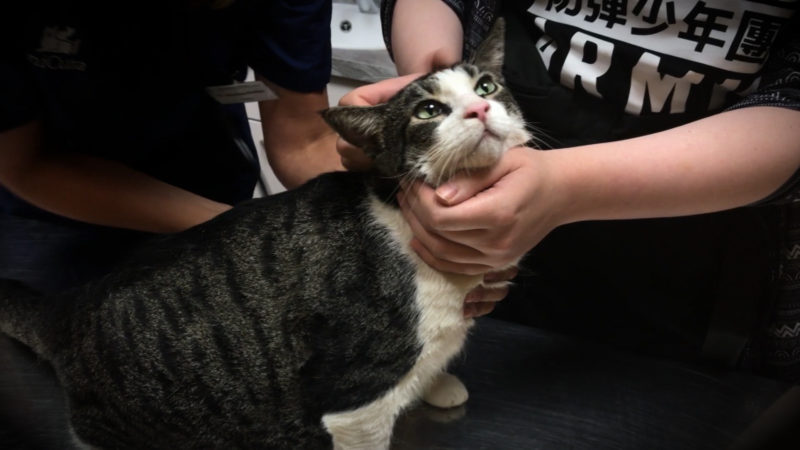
x: 779, y: 338
x: 775, y: 347
x: 780, y: 87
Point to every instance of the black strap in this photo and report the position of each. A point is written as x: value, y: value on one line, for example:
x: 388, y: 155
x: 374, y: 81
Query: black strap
x: 743, y: 287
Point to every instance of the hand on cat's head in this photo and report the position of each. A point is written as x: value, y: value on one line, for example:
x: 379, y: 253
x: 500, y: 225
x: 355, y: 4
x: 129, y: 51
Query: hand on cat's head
x: 353, y: 158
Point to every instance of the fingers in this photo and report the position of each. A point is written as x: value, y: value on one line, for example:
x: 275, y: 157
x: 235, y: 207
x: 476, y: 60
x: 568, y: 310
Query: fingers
x: 482, y: 300
x: 466, y: 185
x: 376, y: 93
x: 421, y: 199
x: 428, y: 245
x: 444, y: 265
x: 472, y: 310
x: 502, y: 275
x: 446, y: 248
x: 353, y: 158
x: 488, y: 209
x: 483, y: 294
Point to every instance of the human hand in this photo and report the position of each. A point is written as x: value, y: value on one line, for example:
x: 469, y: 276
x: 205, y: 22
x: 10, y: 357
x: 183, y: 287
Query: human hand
x: 485, y: 220
x: 482, y: 300
x: 353, y: 158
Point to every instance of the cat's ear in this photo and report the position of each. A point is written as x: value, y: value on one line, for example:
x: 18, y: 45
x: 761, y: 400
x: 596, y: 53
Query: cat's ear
x: 359, y: 125
x: 490, y: 53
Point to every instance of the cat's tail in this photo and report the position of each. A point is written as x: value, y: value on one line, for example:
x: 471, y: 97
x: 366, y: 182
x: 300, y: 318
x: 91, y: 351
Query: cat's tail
x: 22, y: 315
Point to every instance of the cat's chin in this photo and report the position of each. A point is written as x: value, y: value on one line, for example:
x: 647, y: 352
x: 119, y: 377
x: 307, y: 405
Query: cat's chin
x: 487, y: 151
x: 478, y: 161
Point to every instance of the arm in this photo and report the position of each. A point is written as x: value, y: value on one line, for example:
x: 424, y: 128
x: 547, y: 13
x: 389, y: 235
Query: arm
x: 425, y: 35
x: 727, y: 160
x: 724, y: 161
x: 94, y: 190
x: 289, y: 49
x: 298, y: 143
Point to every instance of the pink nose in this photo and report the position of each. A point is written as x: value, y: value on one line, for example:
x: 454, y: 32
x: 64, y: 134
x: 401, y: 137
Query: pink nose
x: 477, y: 110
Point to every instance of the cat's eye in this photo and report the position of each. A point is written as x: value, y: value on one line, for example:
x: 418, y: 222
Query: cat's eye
x: 485, y: 86
x: 429, y: 109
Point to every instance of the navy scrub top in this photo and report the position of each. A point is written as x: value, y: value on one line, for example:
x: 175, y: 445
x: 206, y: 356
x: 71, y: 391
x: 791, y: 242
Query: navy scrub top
x: 126, y: 82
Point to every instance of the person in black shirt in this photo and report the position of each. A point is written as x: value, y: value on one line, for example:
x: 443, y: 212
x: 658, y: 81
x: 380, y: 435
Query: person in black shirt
x: 663, y: 218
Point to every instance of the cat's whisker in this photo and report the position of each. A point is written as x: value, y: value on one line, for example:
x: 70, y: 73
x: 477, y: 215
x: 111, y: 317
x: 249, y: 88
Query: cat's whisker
x: 537, y: 137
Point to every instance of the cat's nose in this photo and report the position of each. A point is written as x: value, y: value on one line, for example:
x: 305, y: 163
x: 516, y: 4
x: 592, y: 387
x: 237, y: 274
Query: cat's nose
x: 477, y: 110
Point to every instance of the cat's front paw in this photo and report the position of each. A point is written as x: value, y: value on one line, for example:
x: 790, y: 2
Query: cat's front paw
x: 446, y: 391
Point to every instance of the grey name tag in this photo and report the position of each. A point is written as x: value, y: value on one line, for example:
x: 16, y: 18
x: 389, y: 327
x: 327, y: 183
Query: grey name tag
x: 250, y: 91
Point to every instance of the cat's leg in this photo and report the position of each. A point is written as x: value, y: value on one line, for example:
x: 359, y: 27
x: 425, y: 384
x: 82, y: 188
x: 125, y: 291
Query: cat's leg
x: 445, y: 391
x: 366, y: 428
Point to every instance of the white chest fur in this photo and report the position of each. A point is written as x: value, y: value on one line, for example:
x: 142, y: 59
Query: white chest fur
x: 440, y: 297
x: 442, y: 330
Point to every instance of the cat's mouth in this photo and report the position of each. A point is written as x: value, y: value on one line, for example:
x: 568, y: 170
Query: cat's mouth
x: 485, y: 151
x: 488, y: 133
x: 486, y: 139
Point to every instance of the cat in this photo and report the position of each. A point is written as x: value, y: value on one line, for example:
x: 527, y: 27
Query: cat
x: 299, y: 320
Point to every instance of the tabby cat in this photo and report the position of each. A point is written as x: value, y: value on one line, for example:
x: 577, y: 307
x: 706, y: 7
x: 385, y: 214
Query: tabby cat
x: 302, y: 320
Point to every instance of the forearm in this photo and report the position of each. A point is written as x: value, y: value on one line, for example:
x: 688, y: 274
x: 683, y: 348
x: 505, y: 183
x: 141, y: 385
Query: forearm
x: 106, y: 193
x: 298, y: 143
x: 296, y: 164
x: 727, y: 160
x: 426, y: 35
x: 98, y: 191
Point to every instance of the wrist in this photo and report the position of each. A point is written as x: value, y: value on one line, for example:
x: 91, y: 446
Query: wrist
x: 559, y: 182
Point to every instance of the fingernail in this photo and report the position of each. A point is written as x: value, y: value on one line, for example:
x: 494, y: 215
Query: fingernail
x: 472, y: 297
x: 446, y: 192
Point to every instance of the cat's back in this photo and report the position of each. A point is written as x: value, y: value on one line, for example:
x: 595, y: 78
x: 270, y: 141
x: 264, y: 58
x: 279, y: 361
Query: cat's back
x: 258, y: 319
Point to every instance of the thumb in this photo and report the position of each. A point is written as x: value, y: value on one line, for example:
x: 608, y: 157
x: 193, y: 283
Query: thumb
x: 465, y: 185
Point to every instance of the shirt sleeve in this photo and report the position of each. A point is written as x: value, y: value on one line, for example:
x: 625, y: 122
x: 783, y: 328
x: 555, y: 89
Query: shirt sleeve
x: 780, y: 87
x: 780, y: 80
x: 476, y: 18
x: 290, y: 44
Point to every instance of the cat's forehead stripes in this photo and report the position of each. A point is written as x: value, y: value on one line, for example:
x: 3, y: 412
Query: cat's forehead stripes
x: 468, y: 68
x: 429, y: 85
x: 456, y: 82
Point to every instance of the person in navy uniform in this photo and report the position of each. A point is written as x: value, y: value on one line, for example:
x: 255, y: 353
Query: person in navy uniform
x: 110, y: 129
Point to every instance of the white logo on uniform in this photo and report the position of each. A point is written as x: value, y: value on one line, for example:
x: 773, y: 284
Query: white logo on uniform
x: 57, y: 50
x: 58, y: 40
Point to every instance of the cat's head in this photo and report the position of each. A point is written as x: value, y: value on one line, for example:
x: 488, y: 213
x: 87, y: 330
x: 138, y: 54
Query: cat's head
x: 450, y: 120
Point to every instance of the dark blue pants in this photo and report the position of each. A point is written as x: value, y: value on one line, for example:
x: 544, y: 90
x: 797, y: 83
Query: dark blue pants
x: 52, y: 256
x: 48, y: 257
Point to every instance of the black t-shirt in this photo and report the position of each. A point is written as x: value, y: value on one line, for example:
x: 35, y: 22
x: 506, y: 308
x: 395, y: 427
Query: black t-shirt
x: 585, y: 74
x: 590, y: 71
